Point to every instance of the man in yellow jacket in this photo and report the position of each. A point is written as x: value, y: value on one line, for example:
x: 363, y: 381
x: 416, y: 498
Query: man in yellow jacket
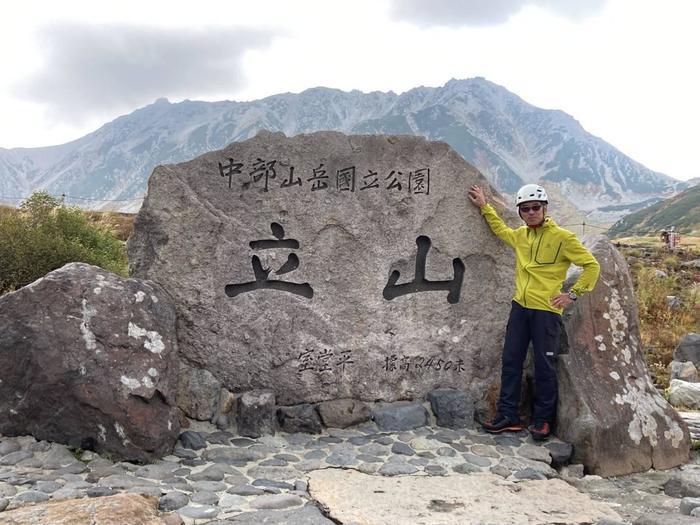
x: 543, y: 254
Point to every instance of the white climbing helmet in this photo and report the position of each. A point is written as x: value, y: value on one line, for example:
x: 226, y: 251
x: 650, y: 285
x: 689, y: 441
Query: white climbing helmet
x: 530, y: 192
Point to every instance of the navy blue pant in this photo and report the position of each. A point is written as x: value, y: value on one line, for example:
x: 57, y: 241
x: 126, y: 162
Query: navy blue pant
x: 543, y: 329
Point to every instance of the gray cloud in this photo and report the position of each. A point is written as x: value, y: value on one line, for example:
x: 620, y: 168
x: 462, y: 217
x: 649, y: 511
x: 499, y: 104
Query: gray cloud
x: 107, y: 68
x: 455, y: 13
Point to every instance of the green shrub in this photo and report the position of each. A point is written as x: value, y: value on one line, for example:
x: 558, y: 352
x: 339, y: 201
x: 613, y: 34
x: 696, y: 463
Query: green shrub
x: 672, y: 262
x: 44, y: 235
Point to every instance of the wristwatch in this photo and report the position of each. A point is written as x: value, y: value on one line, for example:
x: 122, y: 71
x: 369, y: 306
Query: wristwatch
x: 573, y: 296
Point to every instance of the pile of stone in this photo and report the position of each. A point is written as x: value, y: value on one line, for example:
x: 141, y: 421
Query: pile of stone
x: 684, y: 389
x: 695, y: 263
x: 257, y: 413
x: 217, y: 474
x: 685, y: 484
x: 302, y: 478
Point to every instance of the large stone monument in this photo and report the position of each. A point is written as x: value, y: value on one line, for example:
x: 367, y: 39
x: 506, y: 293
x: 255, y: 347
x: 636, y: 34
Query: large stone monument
x: 327, y: 266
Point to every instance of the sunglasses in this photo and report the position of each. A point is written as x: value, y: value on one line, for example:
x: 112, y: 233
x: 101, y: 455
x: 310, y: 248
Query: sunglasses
x: 534, y: 207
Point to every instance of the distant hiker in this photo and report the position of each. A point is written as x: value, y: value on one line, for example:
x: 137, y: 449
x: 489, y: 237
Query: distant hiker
x: 670, y: 238
x: 673, y: 238
x: 543, y: 254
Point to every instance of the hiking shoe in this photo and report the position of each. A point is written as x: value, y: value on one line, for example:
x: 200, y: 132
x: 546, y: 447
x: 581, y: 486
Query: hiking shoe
x: 502, y: 424
x: 539, y: 430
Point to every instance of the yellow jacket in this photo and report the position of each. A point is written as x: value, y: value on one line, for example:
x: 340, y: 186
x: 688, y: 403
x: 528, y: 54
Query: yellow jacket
x: 542, y: 257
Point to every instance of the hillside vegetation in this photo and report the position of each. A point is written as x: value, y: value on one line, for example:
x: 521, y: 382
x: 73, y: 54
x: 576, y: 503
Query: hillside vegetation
x: 667, y: 289
x: 43, y: 235
x: 119, y: 224
x: 681, y: 211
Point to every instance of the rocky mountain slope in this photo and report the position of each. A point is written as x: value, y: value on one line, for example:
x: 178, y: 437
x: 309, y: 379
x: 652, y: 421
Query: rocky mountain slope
x: 507, y: 139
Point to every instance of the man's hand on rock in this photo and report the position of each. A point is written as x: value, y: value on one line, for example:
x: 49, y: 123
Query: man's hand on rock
x: 476, y: 196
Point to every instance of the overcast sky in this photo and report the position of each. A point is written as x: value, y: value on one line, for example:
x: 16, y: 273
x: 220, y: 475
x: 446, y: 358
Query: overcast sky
x: 626, y: 69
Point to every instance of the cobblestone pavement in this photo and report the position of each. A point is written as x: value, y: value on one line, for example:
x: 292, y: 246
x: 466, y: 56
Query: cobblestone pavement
x: 215, y: 476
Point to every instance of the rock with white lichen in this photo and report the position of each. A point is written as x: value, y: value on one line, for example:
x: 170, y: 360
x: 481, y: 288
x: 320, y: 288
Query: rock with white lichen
x: 609, y: 408
x: 89, y: 359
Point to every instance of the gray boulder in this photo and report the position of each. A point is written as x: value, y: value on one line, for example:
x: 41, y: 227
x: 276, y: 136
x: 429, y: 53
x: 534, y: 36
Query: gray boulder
x: 400, y: 416
x: 224, y: 413
x: 327, y: 266
x: 609, y: 409
x: 673, y: 302
x: 172, y: 501
x: 452, y: 408
x: 665, y: 519
x: 256, y: 413
x: 688, y: 349
x: 89, y: 359
x: 342, y: 413
x: 8, y: 445
x: 688, y: 504
x: 560, y: 452
x: 307, y: 515
x: 684, y: 370
x: 198, y: 392
x: 684, y: 394
x: 299, y: 418
x: 684, y: 484
x: 192, y: 440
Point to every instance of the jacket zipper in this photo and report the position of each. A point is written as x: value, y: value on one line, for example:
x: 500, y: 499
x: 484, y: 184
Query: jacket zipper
x: 528, y: 273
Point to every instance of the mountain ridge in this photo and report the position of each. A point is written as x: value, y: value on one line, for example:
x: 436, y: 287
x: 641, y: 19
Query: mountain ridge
x: 507, y: 139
